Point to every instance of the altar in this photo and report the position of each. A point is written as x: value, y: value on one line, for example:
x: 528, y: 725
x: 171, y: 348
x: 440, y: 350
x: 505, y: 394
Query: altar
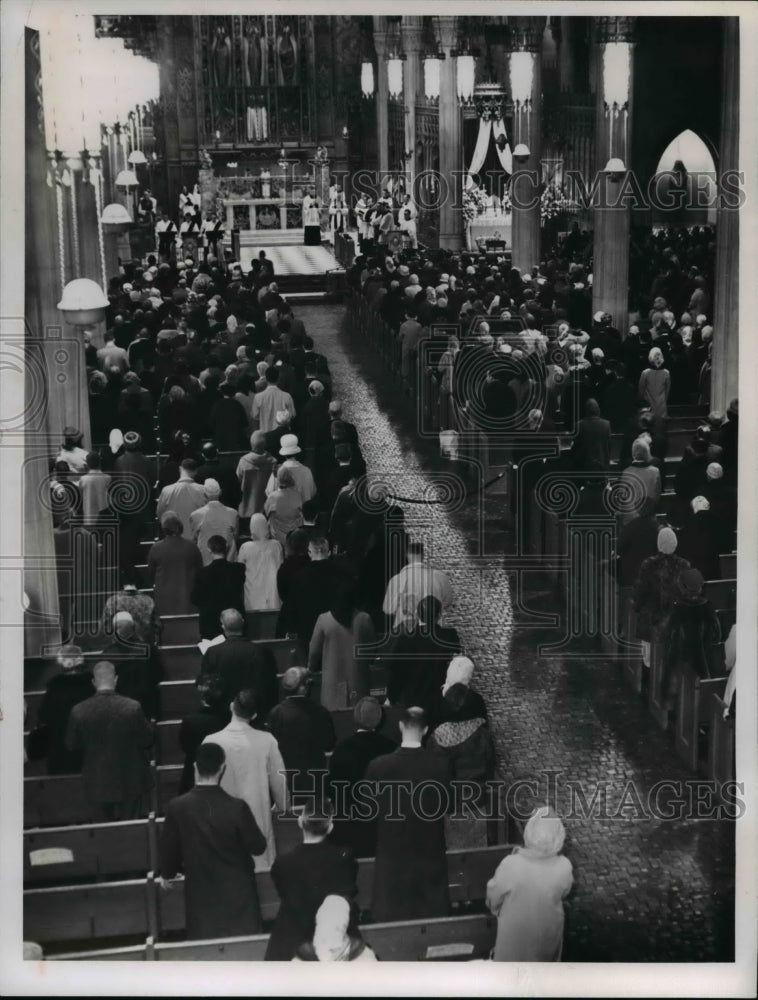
x: 489, y: 226
x: 272, y: 219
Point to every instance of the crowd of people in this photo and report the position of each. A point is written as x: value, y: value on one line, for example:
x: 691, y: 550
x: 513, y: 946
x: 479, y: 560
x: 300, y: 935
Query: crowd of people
x: 200, y: 361
x: 263, y: 502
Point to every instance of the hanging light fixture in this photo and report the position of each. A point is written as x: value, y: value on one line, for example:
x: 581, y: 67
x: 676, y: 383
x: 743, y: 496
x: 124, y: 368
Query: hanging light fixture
x: 432, y: 74
x: 522, y: 77
x: 465, y: 68
x: 395, y: 78
x: 367, y: 78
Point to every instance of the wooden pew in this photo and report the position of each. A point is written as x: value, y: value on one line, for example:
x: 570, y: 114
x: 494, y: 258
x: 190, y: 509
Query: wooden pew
x: 720, y: 766
x: 93, y: 851
x: 95, y: 911
x: 167, y: 748
x: 443, y: 939
x: 134, y: 953
x: 693, y: 712
x: 179, y: 630
x: 468, y: 874
x: 656, y: 696
x: 183, y: 662
x: 728, y: 565
x: 721, y: 593
x: 55, y: 800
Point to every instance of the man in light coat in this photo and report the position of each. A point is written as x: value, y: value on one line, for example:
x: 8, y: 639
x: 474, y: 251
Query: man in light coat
x: 254, y: 768
x: 213, y: 519
x: 183, y: 497
x: 412, y: 584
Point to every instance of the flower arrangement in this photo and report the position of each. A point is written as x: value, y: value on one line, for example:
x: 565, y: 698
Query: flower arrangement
x: 473, y: 204
x: 553, y: 201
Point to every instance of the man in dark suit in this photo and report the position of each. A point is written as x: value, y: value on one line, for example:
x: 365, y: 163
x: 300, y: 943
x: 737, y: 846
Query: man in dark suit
x: 112, y: 735
x: 65, y: 690
x: 349, y: 430
x: 347, y: 766
x: 410, y: 870
x: 137, y: 664
x: 305, y: 877
x: 223, y: 471
x: 212, y: 836
x: 418, y: 658
x: 212, y: 716
x: 241, y: 664
x: 218, y: 586
x: 593, y: 439
x: 304, y: 731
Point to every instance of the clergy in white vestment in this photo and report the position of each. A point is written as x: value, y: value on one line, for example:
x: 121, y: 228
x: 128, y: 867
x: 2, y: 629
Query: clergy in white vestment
x: 413, y: 583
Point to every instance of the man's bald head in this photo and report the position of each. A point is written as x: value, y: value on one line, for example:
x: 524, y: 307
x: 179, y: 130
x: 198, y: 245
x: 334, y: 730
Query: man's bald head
x: 104, y: 676
x: 232, y: 622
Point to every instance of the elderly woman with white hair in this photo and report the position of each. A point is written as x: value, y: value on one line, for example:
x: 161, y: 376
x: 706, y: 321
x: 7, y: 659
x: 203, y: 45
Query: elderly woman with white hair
x: 332, y: 937
x: 655, y: 384
x: 527, y: 891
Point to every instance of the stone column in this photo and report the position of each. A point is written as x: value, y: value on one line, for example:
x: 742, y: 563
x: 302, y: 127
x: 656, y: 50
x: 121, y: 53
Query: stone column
x: 382, y: 99
x: 526, y: 36
x: 611, y: 215
x: 451, y: 145
x: 412, y: 31
x: 566, y: 55
x: 725, y: 374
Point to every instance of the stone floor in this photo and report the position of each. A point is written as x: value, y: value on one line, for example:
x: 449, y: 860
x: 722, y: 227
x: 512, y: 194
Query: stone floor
x: 646, y: 888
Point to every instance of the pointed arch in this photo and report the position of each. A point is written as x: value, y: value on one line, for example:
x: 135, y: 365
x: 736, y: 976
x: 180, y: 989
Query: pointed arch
x: 689, y: 150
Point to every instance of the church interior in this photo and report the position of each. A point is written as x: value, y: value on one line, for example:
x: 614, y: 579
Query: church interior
x: 474, y: 281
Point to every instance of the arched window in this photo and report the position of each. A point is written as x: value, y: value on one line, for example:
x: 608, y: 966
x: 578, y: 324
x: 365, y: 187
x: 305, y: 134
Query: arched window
x: 685, y: 182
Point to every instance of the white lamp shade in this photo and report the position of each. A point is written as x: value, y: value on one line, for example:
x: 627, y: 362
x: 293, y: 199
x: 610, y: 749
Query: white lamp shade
x: 83, y: 302
x: 521, y: 152
x: 137, y: 157
x: 522, y: 76
x: 465, y: 77
x: 432, y: 69
x: 615, y: 166
x: 127, y: 179
x: 617, y: 63
x: 367, y: 79
x: 395, y: 77
x: 116, y: 214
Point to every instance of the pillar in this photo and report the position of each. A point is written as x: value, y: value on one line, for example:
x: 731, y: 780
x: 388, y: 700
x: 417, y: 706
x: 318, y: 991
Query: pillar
x: 382, y: 99
x: 412, y: 33
x: 526, y: 36
x: 566, y: 55
x: 611, y: 212
x: 451, y: 145
x: 724, y: 374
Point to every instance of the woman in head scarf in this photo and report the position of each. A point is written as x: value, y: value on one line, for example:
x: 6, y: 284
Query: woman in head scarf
x: 461, y: 671
x: 527, y: 891
x: 699, y: 539
x: 332, y: 938
x: 284, y: 507
x: 262, y: 557
x: 333, y: 651
x: 655, y: 384
x: 173, y: 564
x: 655, y: 591
x: 692, y: 635
x: 465, y: 740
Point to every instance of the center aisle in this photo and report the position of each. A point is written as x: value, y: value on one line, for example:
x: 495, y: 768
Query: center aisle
x: 646, y: 888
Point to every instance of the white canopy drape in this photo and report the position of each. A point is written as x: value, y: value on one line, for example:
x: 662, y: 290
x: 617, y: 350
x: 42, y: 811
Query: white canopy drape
x: 489, y: 130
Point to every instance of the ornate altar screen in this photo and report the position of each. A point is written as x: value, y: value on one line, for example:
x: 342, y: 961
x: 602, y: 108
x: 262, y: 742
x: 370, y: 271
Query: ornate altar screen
x: 256, y: 79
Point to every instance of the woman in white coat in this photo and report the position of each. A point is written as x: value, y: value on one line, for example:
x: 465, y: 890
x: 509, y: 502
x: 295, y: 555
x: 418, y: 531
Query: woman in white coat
x: 527, y: 891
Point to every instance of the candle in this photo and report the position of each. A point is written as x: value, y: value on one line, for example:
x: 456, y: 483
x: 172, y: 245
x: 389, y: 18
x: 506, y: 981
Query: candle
x: 218, y: 134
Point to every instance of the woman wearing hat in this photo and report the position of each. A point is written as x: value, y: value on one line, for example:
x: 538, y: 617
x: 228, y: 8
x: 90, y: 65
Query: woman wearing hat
x: 692, y: 635
x: 284, y: 507
x: 655, y: 591
x: 527, y: 891
x: 72, y: 452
